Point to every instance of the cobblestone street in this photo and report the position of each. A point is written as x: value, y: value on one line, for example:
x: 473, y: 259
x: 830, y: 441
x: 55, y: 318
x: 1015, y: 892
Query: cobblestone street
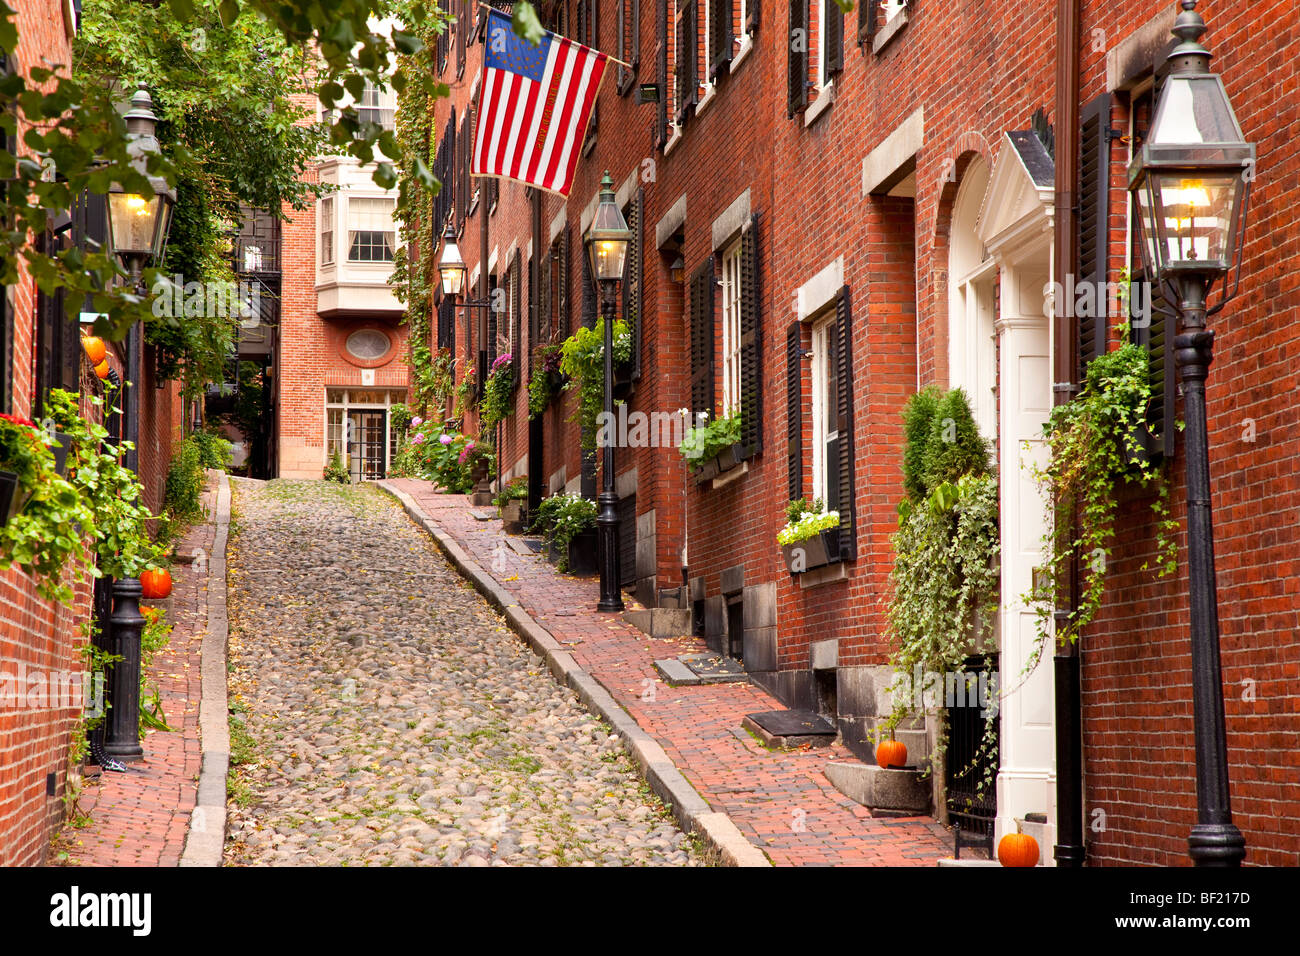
x: 390, y: 715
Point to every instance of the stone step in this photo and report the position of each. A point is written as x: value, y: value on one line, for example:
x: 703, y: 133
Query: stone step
x: 661, y: 621
x: 674, y: 598
x: 1038, y: 831
x: 676, y: 673
x: 878, y: 788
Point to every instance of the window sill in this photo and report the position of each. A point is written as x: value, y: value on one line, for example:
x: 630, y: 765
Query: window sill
x: 825, y: 97
x: 674, y: 138
x: 710, y: 92
x: 746, y: 44
x: 889, y: 31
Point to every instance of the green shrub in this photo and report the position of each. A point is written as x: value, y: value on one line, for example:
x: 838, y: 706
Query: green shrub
x: 184, y: 486
x: 561, y: 518
x: 215, y: 451
x: 336, y: 471
x: 917, y: 419
x: 956, y: 447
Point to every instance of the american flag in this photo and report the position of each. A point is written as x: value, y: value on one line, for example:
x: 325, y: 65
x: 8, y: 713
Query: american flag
x: 534, y: 107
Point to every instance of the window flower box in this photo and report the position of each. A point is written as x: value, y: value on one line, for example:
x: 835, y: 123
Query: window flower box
x: 730, y: 457
x: 818, y: 551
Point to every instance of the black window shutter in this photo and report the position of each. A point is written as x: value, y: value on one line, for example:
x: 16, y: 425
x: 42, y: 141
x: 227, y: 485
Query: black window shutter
x: 751, y: 16
x: 702, y: 397
x: 460, y: 37
x: 661, y: 67
x: 545, y: 290
x: 1094, y: 225
x: 492, y: 326
x: 589, y: 306
x: 687, y: 51
x: 562, y: 320
x: 866, y: 20
x: 720, y: 37
x: 834, y: 45
x: 794, y: 409
x: 534, y: 294
x: 632, y: 278
x: 629, y: 43
x: 751, y: 343
x: 1157, y: 337
x: 848, y: 522
x: 516, y: 311
x: 798, y: 63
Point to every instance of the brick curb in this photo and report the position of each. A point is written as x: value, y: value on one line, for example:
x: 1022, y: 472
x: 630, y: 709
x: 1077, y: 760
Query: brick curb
x: 206, y: 839
x: 691, y: 810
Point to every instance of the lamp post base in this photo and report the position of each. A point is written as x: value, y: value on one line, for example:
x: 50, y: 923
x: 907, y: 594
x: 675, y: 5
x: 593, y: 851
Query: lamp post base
x: 607, y: 529
x: 1216, y: 844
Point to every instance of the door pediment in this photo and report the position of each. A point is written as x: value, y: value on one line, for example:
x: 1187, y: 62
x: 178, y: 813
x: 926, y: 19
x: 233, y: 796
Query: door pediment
x: 1017, y: 207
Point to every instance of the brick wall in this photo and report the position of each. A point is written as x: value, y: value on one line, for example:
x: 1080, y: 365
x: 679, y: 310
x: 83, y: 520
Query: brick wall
x: 36, y: 638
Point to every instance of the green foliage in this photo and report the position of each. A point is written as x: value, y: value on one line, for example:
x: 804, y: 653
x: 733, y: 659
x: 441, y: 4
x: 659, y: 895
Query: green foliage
x: 583, y: 357
x: 336, y: 471
x: 800, y: 506
x: 807, y: 525
x: 183, y: 490
x: 399, y: 417
x: 1095, y: 448
x: 109, y: 495
x: 498, y: 401
x: 442, y: 455
x: 154, y: 637
x: 945, y: 579
x: 215, y: 451
x: 561, y: 518
x: 956, y: 447
x: 46, y: 531
x: 705, y: 442
x: 516, y: 489
x: 918, y: 416
x: 546, y: 360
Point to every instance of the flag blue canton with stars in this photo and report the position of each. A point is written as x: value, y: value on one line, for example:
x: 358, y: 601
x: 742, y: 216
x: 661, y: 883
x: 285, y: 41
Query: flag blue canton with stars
x: 506, y: 51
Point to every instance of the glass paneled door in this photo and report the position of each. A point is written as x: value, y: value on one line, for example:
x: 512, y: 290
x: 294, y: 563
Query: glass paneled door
x: 367, y: 443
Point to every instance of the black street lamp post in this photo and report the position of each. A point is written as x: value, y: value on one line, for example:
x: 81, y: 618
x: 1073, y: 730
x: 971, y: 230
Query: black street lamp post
x: 607, y: 241
x: 138, y: 226
x: 1190, y: 181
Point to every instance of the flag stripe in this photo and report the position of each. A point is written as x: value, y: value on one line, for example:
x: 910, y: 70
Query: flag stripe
x: 584, y: 96
x: 542, y: 160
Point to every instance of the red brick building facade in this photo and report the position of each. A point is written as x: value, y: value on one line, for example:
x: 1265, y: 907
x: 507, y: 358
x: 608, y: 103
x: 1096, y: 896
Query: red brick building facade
x: 870, y: 200
x: 42, y: 641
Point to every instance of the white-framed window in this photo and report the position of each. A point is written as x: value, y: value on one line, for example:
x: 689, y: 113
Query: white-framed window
x: 326, y: 219
x: 377, y: 106
x: 371, y: 234
x: 825, y: 409
x: 732, y: 293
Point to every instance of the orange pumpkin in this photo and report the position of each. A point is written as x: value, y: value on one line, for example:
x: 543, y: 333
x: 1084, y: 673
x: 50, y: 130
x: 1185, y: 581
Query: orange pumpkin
x: 891, y: 753
x: 1018, y: 849
x: 102, y: 369
x: 96, y: 351
x: 156, y: 583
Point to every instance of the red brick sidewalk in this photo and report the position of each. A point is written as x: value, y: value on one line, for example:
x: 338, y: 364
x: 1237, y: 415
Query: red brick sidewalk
x: 781, y: 801
x: 140, y: 817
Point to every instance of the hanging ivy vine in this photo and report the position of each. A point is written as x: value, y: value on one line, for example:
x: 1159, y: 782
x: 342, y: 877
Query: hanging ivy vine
x: 945, y: 580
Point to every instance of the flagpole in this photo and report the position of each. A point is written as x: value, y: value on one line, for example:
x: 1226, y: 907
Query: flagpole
x: 612, y: 59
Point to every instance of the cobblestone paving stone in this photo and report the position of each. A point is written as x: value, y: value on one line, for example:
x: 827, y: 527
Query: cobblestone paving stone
x: 395, y: 718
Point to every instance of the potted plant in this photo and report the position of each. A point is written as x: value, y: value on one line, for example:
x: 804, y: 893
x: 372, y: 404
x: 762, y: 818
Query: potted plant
x: 546, y: 380
x: 512, y: 500
x: 24, y: 461
x: 714, y: 446
x: 568, y: 522
x: 811, y: 536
